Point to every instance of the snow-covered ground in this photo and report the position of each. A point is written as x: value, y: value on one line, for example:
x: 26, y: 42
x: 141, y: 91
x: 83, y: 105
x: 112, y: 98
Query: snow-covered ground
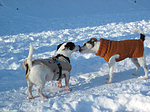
x: 47, y: 23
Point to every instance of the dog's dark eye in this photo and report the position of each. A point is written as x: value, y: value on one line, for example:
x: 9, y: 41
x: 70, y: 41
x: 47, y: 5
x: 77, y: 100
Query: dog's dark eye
x: 91, y: 42
x: 70, y: 45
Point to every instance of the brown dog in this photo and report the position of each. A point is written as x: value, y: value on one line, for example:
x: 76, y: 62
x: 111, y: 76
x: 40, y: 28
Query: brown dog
x: 114, y: 51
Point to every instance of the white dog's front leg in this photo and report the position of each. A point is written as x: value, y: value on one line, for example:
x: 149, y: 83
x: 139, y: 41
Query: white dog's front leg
x: 67, y: 77
x: 111, y: 64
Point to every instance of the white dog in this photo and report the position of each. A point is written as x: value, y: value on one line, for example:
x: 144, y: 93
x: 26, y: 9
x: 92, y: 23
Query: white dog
x: 114, y: 51
x: 55, y: 68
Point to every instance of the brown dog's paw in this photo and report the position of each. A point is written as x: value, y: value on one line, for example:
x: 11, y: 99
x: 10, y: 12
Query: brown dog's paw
x: 108, y: 82
x: 145, y: 78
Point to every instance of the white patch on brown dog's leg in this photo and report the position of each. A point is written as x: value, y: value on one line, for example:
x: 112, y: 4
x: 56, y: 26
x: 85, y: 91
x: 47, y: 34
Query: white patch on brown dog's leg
x: 142, y: 61
x: 135, y: 61
x: 146, y: 73
x: 111, y: 64
x: 111, y: 69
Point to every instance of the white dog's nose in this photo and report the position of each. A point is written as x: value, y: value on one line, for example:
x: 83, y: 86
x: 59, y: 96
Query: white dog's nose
x: 80, y: 49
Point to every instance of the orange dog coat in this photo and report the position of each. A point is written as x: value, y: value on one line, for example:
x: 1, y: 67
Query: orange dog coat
x: 125, y: 49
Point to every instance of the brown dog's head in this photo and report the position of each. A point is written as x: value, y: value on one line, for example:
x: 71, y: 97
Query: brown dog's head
x: 86, y: 48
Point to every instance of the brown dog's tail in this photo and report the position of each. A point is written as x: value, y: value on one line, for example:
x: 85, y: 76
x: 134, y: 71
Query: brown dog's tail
x: 142, y: 35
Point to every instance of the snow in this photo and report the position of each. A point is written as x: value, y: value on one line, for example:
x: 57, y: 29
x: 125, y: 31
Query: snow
x: 48, y: 23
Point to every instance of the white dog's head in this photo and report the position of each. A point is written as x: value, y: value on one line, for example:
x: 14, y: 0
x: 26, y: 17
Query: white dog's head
x: 89, y: 46
x: 67, y: 48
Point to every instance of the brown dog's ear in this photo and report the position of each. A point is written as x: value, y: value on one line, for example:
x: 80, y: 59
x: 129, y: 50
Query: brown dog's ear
x: 93, y: 39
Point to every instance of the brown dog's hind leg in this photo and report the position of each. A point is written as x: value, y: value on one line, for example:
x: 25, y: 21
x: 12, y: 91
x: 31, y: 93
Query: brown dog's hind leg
x: 135, y: 61
x: 142, y: 61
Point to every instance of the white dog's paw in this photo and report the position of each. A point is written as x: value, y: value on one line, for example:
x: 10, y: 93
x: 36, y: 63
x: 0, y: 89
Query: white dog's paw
x: 59, y: 86
x: 30, y: 97
x: 45, y: 97
x: 68, y: 89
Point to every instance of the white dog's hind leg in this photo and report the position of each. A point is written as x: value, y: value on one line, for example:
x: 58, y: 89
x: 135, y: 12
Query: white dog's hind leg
x: 41, y: 83
x: 142, y: 61
x: 135, y: 61
x: 111, y: 64
x: 30, y: 85
x: 40, y: 92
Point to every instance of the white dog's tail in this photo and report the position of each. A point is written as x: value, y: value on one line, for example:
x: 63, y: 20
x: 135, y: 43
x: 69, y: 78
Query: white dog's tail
x: 29, y: 60
x: 141, y: 33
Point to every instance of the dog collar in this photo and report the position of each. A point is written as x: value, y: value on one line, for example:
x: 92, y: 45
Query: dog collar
x: 60, y: 55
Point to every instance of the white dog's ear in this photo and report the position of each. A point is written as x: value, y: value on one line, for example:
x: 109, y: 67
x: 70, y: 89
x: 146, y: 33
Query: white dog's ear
x: 59, y: 46
x: 70, y: 46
